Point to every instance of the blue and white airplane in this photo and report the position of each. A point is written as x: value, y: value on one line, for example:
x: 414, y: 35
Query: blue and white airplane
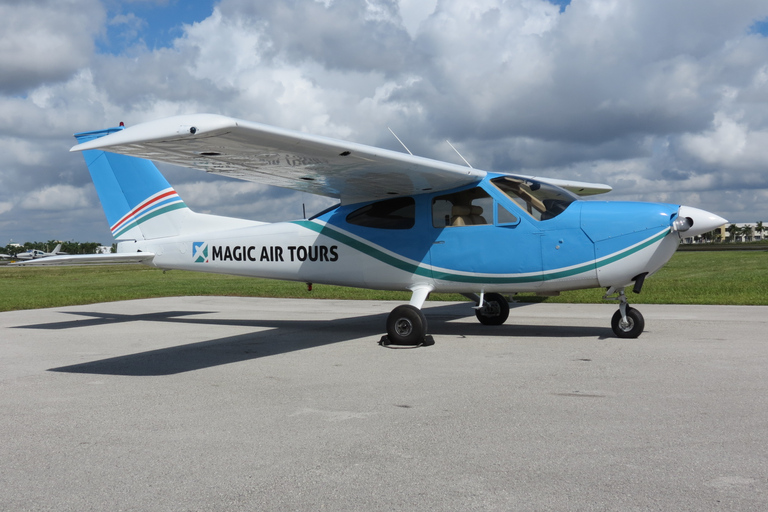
x: 403, y: 222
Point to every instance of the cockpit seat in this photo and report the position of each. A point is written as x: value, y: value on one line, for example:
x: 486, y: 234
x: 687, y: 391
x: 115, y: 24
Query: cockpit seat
x: 461, y: 215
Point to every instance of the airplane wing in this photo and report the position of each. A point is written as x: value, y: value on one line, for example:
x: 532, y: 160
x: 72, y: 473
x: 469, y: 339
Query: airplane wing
x: 88, y: 259
x: 273, y: 156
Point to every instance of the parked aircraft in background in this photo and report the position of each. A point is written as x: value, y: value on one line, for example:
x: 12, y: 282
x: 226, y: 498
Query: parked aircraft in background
x: 34, y: 254
x: 403, y: 222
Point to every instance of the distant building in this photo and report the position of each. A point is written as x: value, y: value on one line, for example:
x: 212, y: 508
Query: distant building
x: 743, y: 232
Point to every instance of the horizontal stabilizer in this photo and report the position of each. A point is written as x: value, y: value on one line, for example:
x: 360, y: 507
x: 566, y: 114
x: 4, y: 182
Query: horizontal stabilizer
x: 90, y: 259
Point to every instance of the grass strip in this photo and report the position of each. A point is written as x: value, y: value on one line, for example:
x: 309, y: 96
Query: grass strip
x: 732, y: 277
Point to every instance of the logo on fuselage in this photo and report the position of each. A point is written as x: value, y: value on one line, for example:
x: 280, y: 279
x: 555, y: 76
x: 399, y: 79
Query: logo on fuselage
x: 200, y: 252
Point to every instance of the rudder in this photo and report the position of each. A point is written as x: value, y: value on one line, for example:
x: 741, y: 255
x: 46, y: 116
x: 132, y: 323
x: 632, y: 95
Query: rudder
x: 138, y: 201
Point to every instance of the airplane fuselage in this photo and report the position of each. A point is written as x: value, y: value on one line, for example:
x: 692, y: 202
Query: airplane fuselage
x: 404, y: 222
x: 505, y: 246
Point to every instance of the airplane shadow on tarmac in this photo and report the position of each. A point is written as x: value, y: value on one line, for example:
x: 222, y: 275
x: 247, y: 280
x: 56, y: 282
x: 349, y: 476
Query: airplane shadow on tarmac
x: 278, y: 337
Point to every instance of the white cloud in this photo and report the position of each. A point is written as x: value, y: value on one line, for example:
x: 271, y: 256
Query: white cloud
x: 658, y: 98
x: 45, y: 40
x: 414, y: 12
x: 55, y: 198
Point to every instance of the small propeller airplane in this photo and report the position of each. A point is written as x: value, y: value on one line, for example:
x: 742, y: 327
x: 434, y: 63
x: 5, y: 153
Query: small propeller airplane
x: 403, y: 222
x: 34, y: 254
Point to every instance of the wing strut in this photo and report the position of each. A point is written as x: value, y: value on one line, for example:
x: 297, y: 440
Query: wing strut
x: 460, y: 155
x: 398, y: 140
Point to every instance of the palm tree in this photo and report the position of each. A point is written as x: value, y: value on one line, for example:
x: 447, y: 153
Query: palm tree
x: 746, y: 233
x: 732, y: 229
x: 759, y: 229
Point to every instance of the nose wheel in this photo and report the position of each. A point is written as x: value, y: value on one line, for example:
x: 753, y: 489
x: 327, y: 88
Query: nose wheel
x: 629, y: 325
x: 627, y: 322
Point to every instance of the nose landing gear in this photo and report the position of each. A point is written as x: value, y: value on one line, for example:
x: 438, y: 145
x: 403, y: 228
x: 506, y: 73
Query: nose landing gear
x: 627, y: 322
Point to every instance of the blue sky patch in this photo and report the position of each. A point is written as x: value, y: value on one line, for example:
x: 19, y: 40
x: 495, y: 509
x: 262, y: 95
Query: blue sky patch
x: 154, y: 23
x: 562, y: 3
x: 760, y: 27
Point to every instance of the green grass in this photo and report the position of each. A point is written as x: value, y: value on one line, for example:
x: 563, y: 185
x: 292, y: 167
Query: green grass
x: 732, y: 277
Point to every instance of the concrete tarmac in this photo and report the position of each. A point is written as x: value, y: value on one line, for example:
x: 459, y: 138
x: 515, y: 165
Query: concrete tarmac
x: 222, y: 403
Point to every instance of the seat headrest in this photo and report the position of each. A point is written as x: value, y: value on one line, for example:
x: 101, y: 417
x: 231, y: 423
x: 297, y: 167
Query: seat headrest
x: 459, y: 209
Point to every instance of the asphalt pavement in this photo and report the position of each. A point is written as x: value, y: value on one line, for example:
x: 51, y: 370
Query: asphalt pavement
x: 225, y: 403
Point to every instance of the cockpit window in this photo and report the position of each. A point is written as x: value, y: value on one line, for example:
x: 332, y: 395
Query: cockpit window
x: 397, y: 213
x: 540, y: 200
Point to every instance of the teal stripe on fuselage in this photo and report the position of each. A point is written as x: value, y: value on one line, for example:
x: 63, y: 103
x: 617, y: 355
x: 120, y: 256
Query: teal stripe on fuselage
x: 445, y: 275
x: 365, y: 248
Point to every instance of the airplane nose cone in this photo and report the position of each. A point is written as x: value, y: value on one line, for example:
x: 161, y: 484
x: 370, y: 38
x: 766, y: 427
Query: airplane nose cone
x: 692, y: 221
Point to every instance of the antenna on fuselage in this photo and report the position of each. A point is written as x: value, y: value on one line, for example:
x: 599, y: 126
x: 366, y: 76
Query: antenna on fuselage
x: 398, y: 140
x: 457, y: 152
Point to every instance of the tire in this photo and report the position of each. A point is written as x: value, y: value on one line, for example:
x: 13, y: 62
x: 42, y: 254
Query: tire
x: 635, y: 324
x: 406, y: 325
x: 495, y: 310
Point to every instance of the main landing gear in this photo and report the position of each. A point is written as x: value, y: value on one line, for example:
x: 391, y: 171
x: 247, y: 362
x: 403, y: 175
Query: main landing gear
x: 406, y: 324
x: 492, y: 309
x: 627, y: 322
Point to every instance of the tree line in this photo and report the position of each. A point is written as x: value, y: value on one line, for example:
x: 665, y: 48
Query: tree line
x: 745, y: 232
x: 67, y: 247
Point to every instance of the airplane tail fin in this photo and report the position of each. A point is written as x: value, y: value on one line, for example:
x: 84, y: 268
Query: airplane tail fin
x: 138, y: 201
x: 56, y: 249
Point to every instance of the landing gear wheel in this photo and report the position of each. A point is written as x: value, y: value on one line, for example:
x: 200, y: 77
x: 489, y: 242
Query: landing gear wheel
x: 632, y: 327
x: 495, y: 310
x: 406, y: 325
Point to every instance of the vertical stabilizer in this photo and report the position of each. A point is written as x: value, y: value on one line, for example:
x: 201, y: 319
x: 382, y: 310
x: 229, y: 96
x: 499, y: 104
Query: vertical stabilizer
x: 138, y: 201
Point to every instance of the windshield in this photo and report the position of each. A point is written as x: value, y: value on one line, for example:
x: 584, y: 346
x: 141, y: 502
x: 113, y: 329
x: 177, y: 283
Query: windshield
x: 540, y: 200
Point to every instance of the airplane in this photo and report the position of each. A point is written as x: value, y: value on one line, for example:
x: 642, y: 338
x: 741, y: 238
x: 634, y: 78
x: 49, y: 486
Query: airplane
x: 34, y: 254
x: 403, y: 222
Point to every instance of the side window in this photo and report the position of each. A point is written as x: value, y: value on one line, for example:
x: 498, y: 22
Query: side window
x: 472, y: 207
x: 397, y: 213
x: 504, y: 216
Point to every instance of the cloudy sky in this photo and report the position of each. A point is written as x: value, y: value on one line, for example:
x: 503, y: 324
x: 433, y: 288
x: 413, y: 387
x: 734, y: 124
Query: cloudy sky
x: 665, y: 100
